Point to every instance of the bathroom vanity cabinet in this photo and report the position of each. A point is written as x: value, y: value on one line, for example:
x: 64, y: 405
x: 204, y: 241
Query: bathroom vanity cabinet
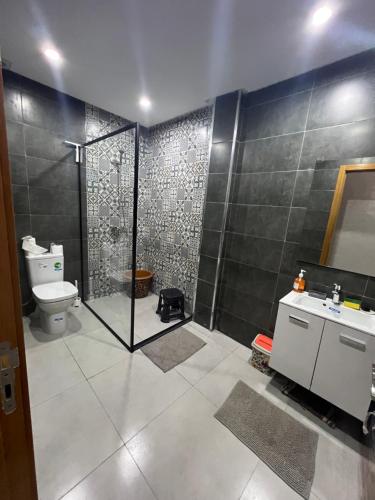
x: 322, y: 354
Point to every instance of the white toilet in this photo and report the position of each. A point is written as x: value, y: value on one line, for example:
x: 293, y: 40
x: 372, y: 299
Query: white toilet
x: 51, y: 293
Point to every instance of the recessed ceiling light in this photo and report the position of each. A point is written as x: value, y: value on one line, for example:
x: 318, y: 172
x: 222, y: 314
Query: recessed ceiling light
x: 321, y: 15
x: 145, y: 103
x: 52, y: 55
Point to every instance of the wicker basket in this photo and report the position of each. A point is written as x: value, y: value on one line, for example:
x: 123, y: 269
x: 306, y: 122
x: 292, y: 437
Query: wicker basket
x: 143, y: 280
x: 261, y: 355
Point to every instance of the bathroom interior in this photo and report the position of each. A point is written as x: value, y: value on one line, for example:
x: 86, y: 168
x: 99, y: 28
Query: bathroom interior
x: 194, y: 225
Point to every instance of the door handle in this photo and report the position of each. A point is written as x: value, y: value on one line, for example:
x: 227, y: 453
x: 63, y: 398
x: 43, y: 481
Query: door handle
x: 303, y: 322
x: 351, y: 342
x: 8, y: 362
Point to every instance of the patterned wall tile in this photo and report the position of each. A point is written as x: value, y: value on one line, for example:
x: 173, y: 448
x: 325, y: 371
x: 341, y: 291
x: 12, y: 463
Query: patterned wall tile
x: 171, y: 197
x: 172, y: 184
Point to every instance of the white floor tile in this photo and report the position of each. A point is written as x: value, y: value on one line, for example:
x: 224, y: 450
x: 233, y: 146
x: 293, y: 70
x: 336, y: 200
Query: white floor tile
x: 72, y: 435
x: 202, y: 362
x: 186, y: 453
x: 217, y: 385
x: 51, y: 369
x: 34, y: 335
x: 81, y: 320
x: 96, y: 351
x: 266, y: 485
x: 222, y: 340
x: 118, y: 478
x: 115, y: 311
x: 243, y: 352
x: 340, y: 472
x: 135, y: 391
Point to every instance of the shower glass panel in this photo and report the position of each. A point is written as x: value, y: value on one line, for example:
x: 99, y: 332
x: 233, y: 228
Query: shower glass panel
x: 124, y: 239
x: 108, y: 213
x: 159, y: 221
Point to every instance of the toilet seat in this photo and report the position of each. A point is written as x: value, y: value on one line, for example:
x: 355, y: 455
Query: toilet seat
x: 54, y: 292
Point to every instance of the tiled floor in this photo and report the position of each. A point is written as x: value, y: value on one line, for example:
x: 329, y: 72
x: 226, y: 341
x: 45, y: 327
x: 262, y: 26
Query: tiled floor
x: 115, y: 311
x: 111, y: 425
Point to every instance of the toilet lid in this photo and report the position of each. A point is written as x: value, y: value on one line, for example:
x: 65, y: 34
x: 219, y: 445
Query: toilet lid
x: 53, y: 292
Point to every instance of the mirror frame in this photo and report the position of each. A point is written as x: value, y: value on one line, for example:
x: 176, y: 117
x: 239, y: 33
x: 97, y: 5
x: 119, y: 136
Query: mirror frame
x: 336, y: 205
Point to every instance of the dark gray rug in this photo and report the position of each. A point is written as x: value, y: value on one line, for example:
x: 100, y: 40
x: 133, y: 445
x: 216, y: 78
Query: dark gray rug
x: 280, y: 441
x: 173, y: 348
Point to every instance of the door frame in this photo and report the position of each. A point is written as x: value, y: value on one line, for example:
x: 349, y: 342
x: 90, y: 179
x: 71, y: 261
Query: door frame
x: 17, y: 466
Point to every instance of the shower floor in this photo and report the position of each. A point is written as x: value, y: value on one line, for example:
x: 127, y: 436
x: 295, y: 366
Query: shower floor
x: 115, y: 311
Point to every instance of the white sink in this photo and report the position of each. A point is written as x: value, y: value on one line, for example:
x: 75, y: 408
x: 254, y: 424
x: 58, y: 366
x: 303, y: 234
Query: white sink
x: 327, y: 309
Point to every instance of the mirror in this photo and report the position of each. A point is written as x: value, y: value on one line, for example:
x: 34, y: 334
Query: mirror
x: 339, y: 225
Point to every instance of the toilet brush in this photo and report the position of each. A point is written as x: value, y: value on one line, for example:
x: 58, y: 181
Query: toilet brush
x: 77, y: 300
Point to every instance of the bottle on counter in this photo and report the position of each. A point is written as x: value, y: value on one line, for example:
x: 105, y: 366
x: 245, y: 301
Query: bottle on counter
x: 299, y: 282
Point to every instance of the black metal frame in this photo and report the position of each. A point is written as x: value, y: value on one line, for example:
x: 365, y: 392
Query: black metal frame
x: 133, y: 347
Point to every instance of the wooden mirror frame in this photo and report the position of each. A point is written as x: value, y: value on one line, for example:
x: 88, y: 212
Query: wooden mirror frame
x: 336, y: 205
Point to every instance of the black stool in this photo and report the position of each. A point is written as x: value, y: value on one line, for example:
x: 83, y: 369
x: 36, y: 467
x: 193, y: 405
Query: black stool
x: 171, y: 304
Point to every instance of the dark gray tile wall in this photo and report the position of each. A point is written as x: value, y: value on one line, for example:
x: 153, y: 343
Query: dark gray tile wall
x: 286, y: 128
x: 223, y: 127
x: 44, y: 175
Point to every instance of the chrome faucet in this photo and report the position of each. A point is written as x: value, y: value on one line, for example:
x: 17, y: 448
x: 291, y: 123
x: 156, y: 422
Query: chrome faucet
x: 336, y: 293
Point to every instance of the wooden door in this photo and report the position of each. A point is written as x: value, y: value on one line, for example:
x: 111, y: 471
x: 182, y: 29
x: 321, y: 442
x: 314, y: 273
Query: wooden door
x: 17, y: 469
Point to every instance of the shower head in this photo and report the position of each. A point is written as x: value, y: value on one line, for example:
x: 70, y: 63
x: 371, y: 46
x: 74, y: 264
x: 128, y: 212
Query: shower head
x: 117, y: 158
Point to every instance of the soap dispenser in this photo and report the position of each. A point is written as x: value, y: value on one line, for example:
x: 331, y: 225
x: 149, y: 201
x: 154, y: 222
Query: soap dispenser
x: 299, y: 282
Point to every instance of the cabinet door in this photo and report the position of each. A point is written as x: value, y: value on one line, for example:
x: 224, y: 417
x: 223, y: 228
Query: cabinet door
x: 296, y: 344
x: 343, y: 369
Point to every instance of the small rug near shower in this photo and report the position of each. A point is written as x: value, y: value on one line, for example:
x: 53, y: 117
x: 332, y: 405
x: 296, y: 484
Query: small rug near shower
x: 280, y: 441
x: 173, y: 348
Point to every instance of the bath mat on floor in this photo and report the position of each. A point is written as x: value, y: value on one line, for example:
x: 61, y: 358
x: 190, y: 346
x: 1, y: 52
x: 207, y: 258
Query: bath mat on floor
x: 285, y: 445
x: 173, y: 348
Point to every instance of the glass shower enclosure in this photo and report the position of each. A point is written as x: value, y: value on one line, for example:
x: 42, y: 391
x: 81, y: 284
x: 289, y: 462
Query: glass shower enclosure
x: 117, y: 287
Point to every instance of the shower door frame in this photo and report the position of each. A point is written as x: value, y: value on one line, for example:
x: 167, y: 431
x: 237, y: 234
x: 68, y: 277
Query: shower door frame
x: 133, y: 347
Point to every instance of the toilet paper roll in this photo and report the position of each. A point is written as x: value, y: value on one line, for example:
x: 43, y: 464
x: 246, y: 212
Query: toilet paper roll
x: 57, y: 249
x: 30, y: 247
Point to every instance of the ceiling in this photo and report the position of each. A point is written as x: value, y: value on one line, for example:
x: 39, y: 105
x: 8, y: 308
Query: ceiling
x: 178, y: 52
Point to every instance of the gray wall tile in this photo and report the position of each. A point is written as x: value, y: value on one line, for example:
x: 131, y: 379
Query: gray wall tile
x: 220, y: 157
x: 274, y: 154
x: 225, y: 111
x: 344, y: 141
x: 261, y: 221
x: 52, y: 174
x: 15, y: 136
x: 345, y: 101
x: 216, y: 187
x: 283, y: 116
x: 53, y: 202
x: 249, y: 188
x: 213, y: 216
x: 210, y: 243
x: 18, y: 169
x: 20, y: 199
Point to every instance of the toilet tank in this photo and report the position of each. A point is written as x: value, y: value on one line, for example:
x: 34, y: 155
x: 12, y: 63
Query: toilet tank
x: 45, y: 268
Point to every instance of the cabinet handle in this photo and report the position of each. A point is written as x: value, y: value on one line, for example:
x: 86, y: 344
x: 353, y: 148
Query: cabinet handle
x: 349, y: 341
x: 304, y: 322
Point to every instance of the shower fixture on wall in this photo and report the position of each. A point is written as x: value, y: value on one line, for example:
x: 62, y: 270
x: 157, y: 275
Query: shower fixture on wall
x: 116, y: 159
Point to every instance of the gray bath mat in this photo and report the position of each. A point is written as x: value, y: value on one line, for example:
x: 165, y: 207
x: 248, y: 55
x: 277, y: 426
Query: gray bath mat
x: 173, y: 348
x: 285, y: 445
